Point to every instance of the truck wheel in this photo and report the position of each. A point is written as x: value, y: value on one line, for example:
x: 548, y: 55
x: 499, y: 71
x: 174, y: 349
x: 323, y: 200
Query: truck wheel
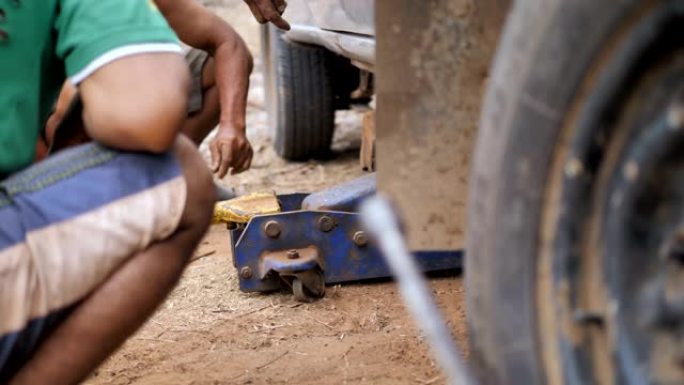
x: 575, y: 264
x: 304, y: 84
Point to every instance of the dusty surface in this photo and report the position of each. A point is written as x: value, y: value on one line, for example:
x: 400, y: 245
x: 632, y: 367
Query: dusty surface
x: 208, y: 332
x: 436, y: 82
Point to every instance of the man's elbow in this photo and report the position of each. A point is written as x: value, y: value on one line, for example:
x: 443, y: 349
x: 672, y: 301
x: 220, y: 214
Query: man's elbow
x: 156, y: 127
x: 147, y: 124
x: 235, y: 48
x: 139, y: 107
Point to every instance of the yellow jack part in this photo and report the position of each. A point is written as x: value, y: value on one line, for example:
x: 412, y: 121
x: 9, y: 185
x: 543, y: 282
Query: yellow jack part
x: 243, y: 208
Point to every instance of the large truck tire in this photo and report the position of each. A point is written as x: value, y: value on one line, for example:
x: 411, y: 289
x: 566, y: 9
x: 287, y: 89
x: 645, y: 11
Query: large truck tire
x: 304, y: 85
x: 575, y: 251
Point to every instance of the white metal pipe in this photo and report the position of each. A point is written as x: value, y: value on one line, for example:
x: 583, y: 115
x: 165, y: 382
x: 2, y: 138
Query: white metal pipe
x: 381, y: 222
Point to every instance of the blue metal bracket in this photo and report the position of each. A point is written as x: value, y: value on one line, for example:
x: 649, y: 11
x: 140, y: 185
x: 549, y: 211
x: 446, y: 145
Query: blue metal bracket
x: 337, y: 255
x: 277, y: 250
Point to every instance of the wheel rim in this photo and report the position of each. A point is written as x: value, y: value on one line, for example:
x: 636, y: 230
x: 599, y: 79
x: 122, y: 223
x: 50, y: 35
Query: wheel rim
x: 611, y: 270
x: 646, y: 218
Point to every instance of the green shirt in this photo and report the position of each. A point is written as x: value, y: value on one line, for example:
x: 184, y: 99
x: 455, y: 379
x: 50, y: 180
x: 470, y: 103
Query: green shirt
x: 44, y: 41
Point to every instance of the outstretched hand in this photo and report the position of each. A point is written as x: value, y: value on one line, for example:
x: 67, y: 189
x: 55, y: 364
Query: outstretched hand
x: 230, y: 151
x: 269, y: 11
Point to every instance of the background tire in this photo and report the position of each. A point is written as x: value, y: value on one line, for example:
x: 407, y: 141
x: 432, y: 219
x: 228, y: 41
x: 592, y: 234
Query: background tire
x: 304, y: 85
x: 550, y: 51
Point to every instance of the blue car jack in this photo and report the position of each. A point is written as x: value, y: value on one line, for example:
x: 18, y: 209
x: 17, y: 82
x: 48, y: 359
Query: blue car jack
x: 317, y: 240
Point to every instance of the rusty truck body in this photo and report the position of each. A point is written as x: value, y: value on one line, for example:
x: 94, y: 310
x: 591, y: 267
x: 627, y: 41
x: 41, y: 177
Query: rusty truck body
x: 546, y: 138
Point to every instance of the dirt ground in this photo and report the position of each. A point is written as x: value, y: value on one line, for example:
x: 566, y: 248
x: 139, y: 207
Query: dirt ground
x: 208, y: 332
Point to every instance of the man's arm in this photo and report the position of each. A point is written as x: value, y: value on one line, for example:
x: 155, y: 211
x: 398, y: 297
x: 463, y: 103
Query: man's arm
x: 201, y: 28
x: 137, y: 102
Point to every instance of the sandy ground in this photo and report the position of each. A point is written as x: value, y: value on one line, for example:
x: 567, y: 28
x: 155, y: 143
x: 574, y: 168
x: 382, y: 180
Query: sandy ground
x: 208, y: 332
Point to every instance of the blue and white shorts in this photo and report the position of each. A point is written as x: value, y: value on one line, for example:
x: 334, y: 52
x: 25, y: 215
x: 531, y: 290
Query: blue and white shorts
x: 66, y: 224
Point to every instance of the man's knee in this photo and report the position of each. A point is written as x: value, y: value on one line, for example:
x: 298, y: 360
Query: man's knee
x: 201, y: 193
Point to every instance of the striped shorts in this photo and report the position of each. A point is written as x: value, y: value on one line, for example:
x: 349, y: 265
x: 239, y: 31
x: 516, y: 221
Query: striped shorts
x: 65, y: 225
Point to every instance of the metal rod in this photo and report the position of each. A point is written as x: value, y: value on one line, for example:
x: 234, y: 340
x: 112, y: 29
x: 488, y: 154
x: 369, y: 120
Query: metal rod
x: 382, y: 224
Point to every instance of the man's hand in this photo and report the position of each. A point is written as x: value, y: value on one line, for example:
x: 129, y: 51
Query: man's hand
x: 230, y: 150
x: 269, y: 10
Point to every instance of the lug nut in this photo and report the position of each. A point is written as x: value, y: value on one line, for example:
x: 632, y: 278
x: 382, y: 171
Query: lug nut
x: 272, y: 229
x: 246, y: 272
x: 293, y: 254
x: 326, y: 223
x: 360, y: 239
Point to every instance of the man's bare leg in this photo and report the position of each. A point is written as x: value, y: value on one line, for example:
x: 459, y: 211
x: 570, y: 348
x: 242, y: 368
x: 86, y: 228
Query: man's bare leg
x: 122, y: 303
x: 201, y: 123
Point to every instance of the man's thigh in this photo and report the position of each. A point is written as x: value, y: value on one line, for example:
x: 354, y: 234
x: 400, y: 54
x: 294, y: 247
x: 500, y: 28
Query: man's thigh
x: 196, y: 60
x: 66, y: 224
